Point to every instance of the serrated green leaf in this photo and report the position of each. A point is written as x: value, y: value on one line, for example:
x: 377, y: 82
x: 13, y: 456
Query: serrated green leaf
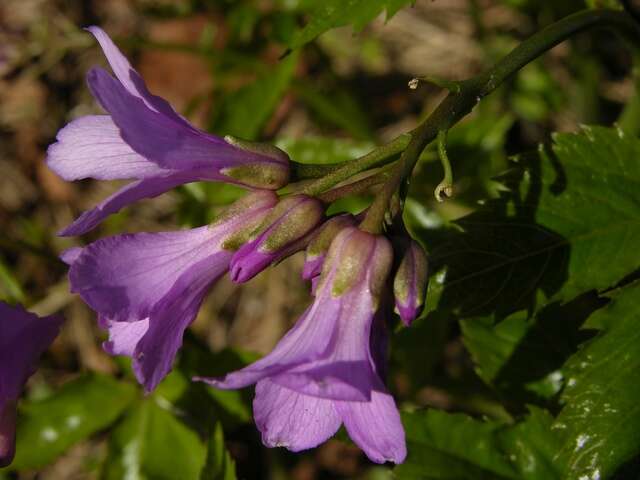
x: 245, y: 112
x: 570, y: 224
x: 48, y: 427
x: 522, y: 354
x: 337, y: 13
x: 455, y: 446
x: 219, y: 465
x: 151, y: 443
x: 600, y: 424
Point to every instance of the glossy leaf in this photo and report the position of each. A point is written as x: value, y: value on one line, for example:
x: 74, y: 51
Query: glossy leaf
x: 151, y: 443
x: 569, y: 224
x: 82, y: 407
x: 455, y: 446
x: 600, y: 424
x: 336, y: 13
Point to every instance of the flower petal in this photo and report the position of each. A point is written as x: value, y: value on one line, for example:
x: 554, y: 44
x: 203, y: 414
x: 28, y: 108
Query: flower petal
x: 160, y: 138
x: 92, y: 147
x: 375, y: 427
x: 289, y: 419
x: 123, y: 277
x: 130, y: 193
x: 156, y: 350
x: 311, y: 336
x: 123, y: 336
x: 23, y: 338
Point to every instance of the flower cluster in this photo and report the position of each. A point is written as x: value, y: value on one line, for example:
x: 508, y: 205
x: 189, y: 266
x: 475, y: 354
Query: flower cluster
x: 148, y: 287
x: 23, y: 338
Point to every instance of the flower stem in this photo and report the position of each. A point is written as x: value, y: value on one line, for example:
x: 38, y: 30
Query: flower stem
x: 461, y: 101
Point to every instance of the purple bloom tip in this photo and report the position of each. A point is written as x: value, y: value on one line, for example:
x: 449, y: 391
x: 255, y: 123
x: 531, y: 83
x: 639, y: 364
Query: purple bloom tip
x: 286, y: 230
x: 410, y: 281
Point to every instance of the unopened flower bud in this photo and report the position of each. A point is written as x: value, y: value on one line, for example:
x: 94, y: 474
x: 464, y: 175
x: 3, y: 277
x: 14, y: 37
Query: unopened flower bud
x: 270, y: 172
x: 284, y: 231
x: 320, y: 243
x: 356, y: 257
x: 7, y: 432
x: 410, y: 281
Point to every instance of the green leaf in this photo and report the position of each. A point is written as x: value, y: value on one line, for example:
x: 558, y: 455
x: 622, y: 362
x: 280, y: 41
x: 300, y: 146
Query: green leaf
x: 153, y: 444
x: 82, y: 407
x: 245, y: 112
x: 323, y: 150
x: 337, y: 13
x: 600, y: 424
x: 455, y: 446
x: 569, y: 224
x: 219, y: 465
x: 522, y: 354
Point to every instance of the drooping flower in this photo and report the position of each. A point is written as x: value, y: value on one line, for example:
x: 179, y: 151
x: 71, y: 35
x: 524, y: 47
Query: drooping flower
x: 145, y: 140
x: 147, y: 288
x: 410, y: 281
x: 23, y: 338
x: 285, y: 231
x: 327, y: 370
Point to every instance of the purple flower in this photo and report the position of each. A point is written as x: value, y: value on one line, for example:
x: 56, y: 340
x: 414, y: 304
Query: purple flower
x: 327, y: 370
x: 286, y: 230
x: 23, y: 338
x: 147, y: 288
x: 145, y: 140
x: 410, y: 281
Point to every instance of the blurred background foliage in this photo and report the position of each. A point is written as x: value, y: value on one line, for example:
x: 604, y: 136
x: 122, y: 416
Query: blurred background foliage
x: 497, y: 343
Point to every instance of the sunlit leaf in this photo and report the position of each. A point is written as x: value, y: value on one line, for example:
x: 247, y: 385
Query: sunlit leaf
x: 600, y: 424
x: 48, y: 427
x: 151, y: 443
x: 337, y: 13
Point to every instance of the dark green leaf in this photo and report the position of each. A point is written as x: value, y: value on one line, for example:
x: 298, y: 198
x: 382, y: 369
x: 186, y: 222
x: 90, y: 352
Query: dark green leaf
x: 336, y: 13
x: 600, y: 423
x: 151, y: 443
x: 455, y: 446
x: 569, y: 224
x: 48, y: 427
x: 220, y: 465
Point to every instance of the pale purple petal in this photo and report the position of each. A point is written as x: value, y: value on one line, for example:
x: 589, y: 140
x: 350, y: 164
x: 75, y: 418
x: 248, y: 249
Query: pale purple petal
x: 131, y: 193
x: 92, y: 147
x: 123, y: 336
x: 23, y: 338
x: 375, y: 427
x: 291, y: 420
x: 344, y: 372
x: 160, y: 138
x: 124, y: 276
x: 312, y: 267
x: 155, y: 352
x: 312, y: 335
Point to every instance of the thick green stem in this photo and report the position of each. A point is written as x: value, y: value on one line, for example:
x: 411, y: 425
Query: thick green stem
x: 375, y: 158
x: 461, y: 101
